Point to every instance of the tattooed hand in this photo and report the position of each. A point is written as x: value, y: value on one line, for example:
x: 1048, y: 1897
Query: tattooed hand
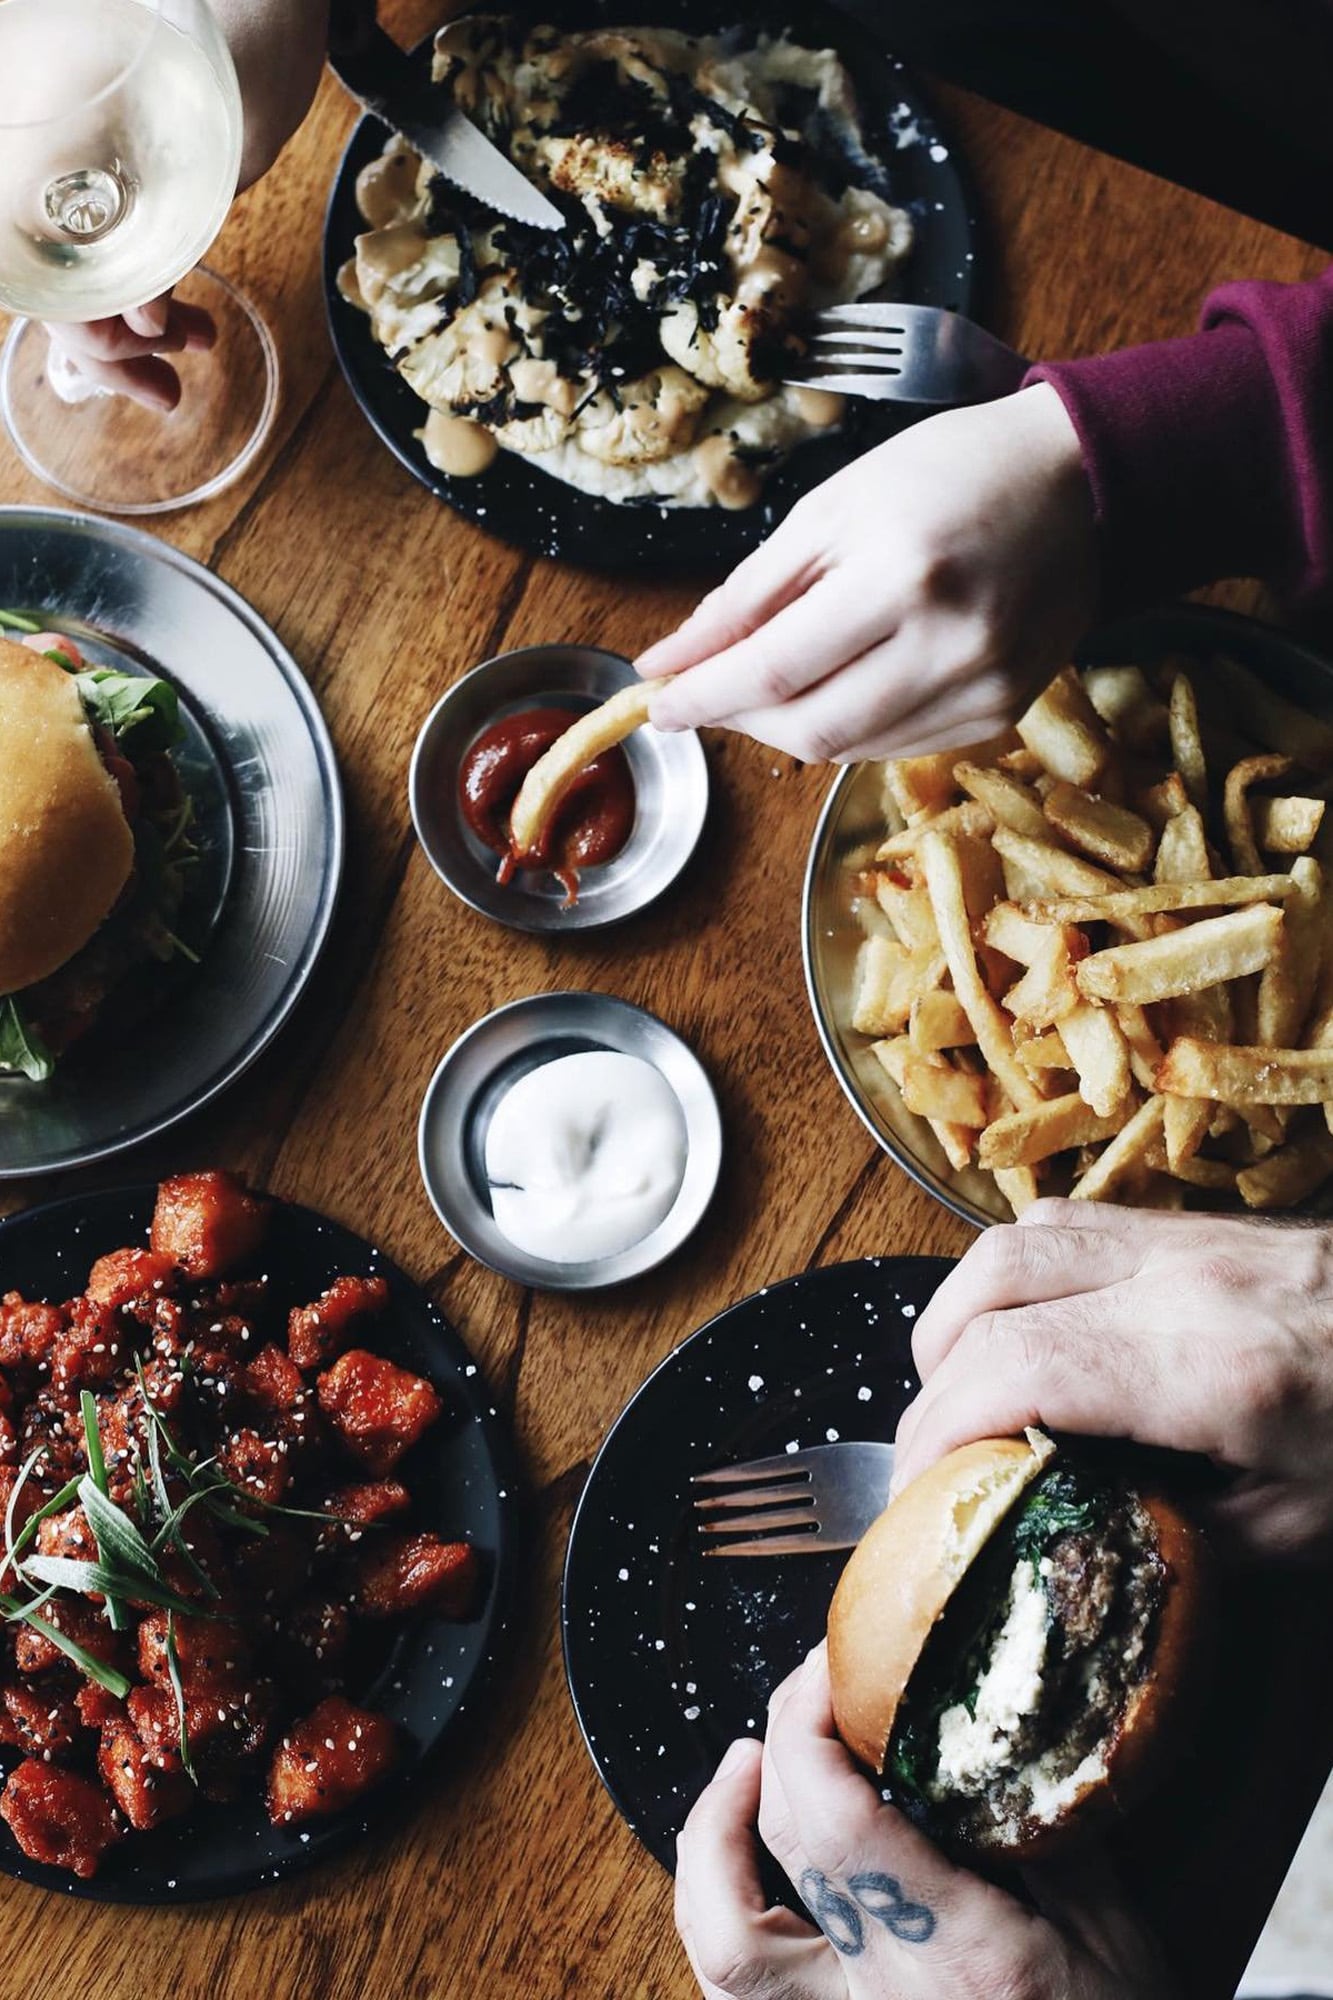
x: 892, y: 1918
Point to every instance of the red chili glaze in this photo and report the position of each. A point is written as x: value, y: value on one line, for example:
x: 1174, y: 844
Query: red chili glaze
x: 593, y: 820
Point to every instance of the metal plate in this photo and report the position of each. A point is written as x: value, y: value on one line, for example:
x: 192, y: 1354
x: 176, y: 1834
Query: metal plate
x: 464, y: 1479
x: 521, y: 504
x: 489, y: 1059
x: 670, y: 1654
x: 262, y: 766
x: 851, y: 826
x: 670, y: 789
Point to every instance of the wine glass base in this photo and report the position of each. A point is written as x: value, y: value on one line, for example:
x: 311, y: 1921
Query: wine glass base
x: 117, y: 456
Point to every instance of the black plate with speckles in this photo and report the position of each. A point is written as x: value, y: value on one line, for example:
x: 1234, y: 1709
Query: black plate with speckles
x: 671, y: 1655
x: 522, y: 505
x: 464, y: 1483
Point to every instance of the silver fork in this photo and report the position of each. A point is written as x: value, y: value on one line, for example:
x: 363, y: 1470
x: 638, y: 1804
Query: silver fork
x: 908, y: 354
x: 829, y: 1495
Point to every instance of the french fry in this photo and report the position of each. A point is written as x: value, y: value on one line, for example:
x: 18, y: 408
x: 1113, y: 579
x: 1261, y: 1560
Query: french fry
x: 937, y: 1021
x: 1289, y: 1175
x: 1100, y: 1055
x: 1021, y: 763
x: 1064, y: 729
x: 1215, y: 1176
x: 1182, y: 961
x: 1115, y: 906
x: 934, y: 1089
x: 910, y: 914
x: 1046, y: 993
x: 586, y: 739
x: 1163, y: 801
x: 1047, y: 871
x: 1044, y: 1051
x: 888, y: 979
x: 1145, y: 1050
x: 1286, y: 825
x: 939, y: 860
x: 969, y: 819
x: 1022, y: 1138
x: 1182, y: 849
x: 1246, y: 1076
x: 1187, y: 752
x: 1128, y: 706
x: 956, y: 1140
x: 1009, y: 801
x: 1016, y: 936
x: 1287, y: 987
x: 1185, y: 1126
x: 1125, y: 1158
x: 1109, y: 834
x: 1273, y: 720
x: 921, y: 786
x: 1245, y: 854
x: 1018, y: 1185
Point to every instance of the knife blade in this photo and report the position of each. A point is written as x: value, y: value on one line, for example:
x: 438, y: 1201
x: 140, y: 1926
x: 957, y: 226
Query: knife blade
x: 386, y: 81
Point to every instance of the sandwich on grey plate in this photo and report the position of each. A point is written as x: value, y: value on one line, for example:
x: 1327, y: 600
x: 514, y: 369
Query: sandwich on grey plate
x: 717, y: 190
x: 95, y: 843
x: 1015, y: 1643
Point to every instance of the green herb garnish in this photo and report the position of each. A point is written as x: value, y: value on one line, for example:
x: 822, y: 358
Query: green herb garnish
x: 15, y: 621
x: 21, y: 1047
x: 92, y: 1439
x: 96, y: 1670
x: 125, y: 703
x: 174, y: 1672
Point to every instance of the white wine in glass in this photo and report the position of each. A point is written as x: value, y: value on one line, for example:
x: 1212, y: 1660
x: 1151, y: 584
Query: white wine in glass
x: 120, y: 145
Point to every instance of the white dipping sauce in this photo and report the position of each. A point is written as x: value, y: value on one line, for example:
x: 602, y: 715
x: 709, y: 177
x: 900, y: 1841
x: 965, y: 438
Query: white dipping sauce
x: 585, y: 1156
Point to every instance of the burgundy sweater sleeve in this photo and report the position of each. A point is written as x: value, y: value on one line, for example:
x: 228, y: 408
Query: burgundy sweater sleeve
x: 1212, y: 456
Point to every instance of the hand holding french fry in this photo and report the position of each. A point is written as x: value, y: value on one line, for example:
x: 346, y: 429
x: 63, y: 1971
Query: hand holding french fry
x: 912, y: 601
x: 1202, y: 1333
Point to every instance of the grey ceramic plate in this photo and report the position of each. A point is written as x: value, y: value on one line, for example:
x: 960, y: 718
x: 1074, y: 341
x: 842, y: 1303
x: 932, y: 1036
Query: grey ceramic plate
x: 851, y: 826
x: 670, y: 789
x: 489, y: 1059
x: 260, y: 765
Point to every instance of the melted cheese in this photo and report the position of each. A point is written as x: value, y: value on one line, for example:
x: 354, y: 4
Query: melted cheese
x: 976, y: 1747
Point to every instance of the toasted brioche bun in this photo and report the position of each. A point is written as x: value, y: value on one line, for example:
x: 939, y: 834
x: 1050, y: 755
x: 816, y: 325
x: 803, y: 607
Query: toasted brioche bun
x: 903, y: 1572
x: 66, y: 849
x: 906, y: 1568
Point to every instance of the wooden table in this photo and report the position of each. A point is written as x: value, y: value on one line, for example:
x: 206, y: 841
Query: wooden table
x: 514, y: 1876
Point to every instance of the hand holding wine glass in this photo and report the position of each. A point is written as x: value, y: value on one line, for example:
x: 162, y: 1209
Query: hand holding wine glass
x: 120, y: 149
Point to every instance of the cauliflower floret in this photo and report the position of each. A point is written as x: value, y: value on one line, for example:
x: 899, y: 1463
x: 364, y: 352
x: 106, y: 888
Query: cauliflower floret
x: 658, y: 416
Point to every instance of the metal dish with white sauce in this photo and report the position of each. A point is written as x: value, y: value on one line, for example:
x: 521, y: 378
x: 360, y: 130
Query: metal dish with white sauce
x: 486, y: 1063
x: 669, y: 773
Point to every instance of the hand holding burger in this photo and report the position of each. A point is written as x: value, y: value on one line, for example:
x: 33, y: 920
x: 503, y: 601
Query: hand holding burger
x: 892, y: 1918
x: 1201, y: 1333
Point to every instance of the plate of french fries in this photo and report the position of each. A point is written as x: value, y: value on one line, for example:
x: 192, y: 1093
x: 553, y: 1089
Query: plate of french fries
x: 1094, y: 957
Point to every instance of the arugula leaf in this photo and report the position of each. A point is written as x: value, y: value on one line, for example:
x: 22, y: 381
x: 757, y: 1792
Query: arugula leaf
x: 21, y: 1047
x: 1062, y: 1501
x: 131, y: 702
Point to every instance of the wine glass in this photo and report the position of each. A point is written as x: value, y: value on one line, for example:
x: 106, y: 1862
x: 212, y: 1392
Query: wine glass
x: 120, y: 145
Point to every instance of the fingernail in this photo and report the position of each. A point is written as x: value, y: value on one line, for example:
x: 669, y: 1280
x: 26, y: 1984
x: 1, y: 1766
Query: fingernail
x: 735, y: 1757
x: 154, y: 315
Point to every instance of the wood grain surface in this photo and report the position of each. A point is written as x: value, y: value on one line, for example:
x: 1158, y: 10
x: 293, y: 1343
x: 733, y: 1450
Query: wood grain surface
x: 514, y: 1878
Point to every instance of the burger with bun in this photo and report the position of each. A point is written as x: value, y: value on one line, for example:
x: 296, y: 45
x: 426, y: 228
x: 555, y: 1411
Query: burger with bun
x: 1014, y: 1643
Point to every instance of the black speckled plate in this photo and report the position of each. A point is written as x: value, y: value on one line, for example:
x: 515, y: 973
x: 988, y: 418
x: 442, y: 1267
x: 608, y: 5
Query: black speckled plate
x: 670, y: 1655
x: 465, y: 1483
x: 921, y: 173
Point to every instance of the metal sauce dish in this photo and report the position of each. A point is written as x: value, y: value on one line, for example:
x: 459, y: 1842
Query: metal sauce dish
x: 489, y: 1059
x: 670, y: 784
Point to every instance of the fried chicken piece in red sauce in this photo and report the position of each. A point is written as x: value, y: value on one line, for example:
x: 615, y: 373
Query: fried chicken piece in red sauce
x: 27, y: 1331
x: 378, y: 1409
x: 58, y: 1817
x: 145, y: 1793
x: 318, y: 1333
x: 78, y: 1620
x: 402, y: 1573
x: 125, y: 1278
x: 43, y: 1717
x: 331, y: 1757
x: 207, y: 1223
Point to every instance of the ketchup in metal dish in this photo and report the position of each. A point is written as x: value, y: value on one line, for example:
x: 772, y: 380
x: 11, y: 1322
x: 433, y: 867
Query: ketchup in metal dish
x: 593, y: 820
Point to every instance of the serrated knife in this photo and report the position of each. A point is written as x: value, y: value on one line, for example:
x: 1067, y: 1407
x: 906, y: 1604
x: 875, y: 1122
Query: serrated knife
x: 386, y: 81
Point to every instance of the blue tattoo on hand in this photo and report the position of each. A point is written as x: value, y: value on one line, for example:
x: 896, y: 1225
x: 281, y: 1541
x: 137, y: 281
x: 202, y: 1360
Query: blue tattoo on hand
x: 879, y: 1896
